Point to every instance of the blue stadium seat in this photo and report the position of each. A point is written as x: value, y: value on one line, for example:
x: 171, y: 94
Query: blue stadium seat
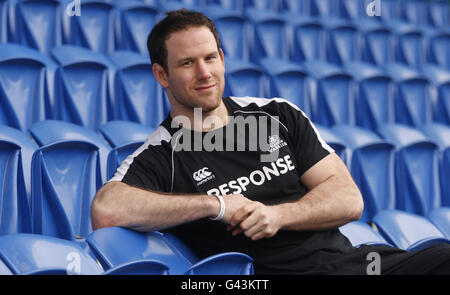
x: 306, y: 38
x: 440, y: 134
x: 413, y: 11
x: 120, y: 153
x: 332, y: 95
x: 333, y: 141
x: 377, y: 46
x: 25, y: 81
x: 437, y: 13
x: 30, y: 254
x: 438, y: 49
x: 323, y: 8
x: 416, y: 169
x: 16, y: 151
x: 350, y: 9
x: 408, y: 231
x: 65, y: 178
x: 134, y: 23
x: 233, y: 30
x: 360, y: 233
x: 342, y: 43
x: 107, y: 244
x: 287, y: 80
x: 371, y: 163
x: 93, y: 28
x: 243, y: 79
x: 374, y: 99
x: 38, y: 24
x: 119, y: 133
x: 138, y: 97
x: 410, y: 44
x: 295, y: 7
x: 4, y: 270
x: 440, y: 80
x: 440, y: 217
x: 237, y: 5
x: 50, y: 131
x: 4, y: 25
x: 82, y: 87
x: 268, y: 35
x: 268, y: 5
x: 412, y: 95
x: 390, y: 10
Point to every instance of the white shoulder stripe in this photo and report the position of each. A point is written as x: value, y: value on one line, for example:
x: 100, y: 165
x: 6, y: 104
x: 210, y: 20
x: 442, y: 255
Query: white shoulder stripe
x: 259, y: 101
x: 153, y: 139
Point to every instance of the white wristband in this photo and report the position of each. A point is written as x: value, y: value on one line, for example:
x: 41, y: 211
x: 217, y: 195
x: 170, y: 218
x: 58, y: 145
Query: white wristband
x: 222, y: 209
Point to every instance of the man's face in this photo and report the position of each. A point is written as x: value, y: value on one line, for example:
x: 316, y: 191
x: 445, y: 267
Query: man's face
x: 195, y: 76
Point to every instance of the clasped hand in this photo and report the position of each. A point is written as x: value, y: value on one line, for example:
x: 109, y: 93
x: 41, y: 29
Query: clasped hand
x: 254, y: 219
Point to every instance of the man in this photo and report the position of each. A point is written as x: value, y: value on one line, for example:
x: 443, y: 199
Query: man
x: 284, y: 213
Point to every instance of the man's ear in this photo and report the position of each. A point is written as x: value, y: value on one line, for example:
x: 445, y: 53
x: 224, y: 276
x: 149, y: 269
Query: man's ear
x: 222, y: 56
x: 160, y: 75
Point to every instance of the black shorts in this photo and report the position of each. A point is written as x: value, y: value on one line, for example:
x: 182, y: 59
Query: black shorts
x: 383, y: 260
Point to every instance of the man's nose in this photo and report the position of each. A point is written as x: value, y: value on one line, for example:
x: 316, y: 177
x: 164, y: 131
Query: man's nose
x: 203, y: 72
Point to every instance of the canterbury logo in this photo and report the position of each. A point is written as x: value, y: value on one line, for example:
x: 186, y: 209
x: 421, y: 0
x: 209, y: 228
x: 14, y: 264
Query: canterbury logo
x: 201, y: 174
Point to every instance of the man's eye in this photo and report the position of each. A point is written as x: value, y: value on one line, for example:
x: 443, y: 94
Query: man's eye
x: 186, y: 63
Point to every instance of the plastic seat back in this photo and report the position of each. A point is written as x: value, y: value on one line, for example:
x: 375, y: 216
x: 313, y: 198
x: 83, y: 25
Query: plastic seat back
x: 16, y: 151
x: 38, y: 24
x: 24, y: 92
x: 38, y: 254
x: 440, y: 134
x: 108, y: 246
x: 438, y: 50
x: 138, y: 96
x: 416, y: 169
x: 412, y: 95
x: 243, y: 79
x: 287, y: 80
x: 93, y: 28
x: 374, y: 101
x: 440, y: 217
x: 360, y: 233
x: 377, y: 42
x: 120, y: 153
x: 440, y: 79
x: 410, y: 46
x: 268, y: 35
x: 4, y: 26
x: 82, y: 87
x: 50, y: 131
x: 308, y: 40
x: 64, y: 187
x: 437, y: 13
x: 119, y: 133
x: 333, y: 141
x: 371, y: 163
x: 332, y: 97
x: 407, y: 231
x: 342, y: 43
x: 135, y: 21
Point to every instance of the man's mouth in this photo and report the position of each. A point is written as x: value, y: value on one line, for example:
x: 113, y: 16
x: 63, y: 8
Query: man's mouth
x: 205, y: 87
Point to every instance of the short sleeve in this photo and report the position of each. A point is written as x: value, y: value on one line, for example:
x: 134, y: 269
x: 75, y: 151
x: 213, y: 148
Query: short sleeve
x: 306, y: 142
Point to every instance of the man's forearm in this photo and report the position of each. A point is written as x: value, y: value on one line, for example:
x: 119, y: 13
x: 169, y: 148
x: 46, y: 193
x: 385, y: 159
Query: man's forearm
x: 330, y: 204
x: 118, y: 204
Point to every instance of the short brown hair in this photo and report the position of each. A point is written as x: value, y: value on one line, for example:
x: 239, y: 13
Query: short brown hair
x: 175, y: 21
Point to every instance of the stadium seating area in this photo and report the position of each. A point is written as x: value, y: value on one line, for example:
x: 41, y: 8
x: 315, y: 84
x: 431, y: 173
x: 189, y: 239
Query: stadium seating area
x: 76, y: 80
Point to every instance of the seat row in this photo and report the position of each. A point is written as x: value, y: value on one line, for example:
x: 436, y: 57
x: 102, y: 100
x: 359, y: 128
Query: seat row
x: 45, y: 191
x: 113, y: 251
x: 250, y: 36
x: 401, y: 229
x: 90, y: 89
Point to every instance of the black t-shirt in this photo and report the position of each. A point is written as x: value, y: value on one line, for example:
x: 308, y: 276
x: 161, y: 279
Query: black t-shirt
x: 294, y: 146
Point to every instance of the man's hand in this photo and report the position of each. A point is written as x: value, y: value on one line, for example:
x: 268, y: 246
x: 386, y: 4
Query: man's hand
x: 255, y: 220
